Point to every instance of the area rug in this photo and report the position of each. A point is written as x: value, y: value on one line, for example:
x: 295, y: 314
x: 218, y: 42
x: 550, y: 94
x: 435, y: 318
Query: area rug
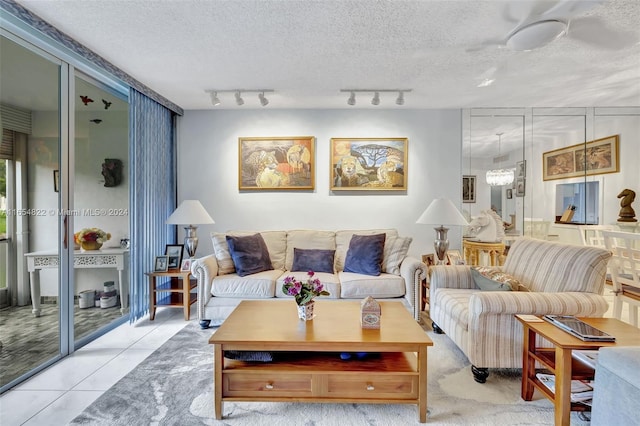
x: 174, y: 386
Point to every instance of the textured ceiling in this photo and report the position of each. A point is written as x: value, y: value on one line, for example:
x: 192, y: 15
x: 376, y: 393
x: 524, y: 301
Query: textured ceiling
x: 308, y: 50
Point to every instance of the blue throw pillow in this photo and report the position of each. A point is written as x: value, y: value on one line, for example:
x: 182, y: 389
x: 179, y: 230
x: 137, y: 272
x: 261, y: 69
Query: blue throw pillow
x: 315, y: 260
x: 249, y: 254
x: 365, y: 254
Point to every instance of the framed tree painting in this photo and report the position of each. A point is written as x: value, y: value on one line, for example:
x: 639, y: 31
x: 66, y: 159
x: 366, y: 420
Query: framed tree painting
x: 378, y: 164
x: 468, y: 189
x: 276, y: 163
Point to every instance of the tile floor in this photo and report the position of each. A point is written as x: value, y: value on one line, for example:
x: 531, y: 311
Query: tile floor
x: 57, y: 395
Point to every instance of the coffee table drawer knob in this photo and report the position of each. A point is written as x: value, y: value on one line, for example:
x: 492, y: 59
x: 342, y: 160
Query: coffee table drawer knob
x: 370, y: 387
x: 269, y: 386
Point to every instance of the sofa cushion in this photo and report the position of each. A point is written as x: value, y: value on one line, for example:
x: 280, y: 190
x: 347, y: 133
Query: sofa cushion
x: 359, y: 286
x: 261, y: 285
x: 315, y: 260
x: 330, y: 282
x: 308, y: 239
x: 395, y: 250
x: 365, y: 254
x: 454, y: 304
x: 343, y: 238
x: 249, y: 254
x: 489, y: 278
x: 276, y: 242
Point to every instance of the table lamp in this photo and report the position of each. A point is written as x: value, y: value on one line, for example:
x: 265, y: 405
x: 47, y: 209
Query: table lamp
x: 189, y: 213
x: 442, y: 212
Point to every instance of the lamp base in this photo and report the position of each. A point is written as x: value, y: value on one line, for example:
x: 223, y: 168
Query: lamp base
x: 191, y: 240
x: 441, y: 244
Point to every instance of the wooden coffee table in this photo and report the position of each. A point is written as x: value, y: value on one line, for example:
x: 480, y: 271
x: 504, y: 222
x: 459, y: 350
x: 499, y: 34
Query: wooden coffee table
x: 395, y: 372
x: 559, y: 361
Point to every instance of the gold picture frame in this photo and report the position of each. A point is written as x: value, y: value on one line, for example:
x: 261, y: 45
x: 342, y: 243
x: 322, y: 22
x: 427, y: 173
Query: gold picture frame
x: 595, y: 157
x: 454, y: 257
x: 276, y: 163
x: 368, y: 164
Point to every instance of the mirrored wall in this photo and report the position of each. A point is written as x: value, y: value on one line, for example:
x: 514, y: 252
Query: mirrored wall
x: 571, y: 167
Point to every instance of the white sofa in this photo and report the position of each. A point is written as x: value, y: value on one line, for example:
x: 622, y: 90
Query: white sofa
x: 555, y: 278
x: 221, y: 289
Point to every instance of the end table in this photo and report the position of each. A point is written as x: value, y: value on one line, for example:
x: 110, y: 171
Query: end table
x: 175, y: 293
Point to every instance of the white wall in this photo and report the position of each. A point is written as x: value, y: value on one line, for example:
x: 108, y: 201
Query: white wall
x: 208, y: 171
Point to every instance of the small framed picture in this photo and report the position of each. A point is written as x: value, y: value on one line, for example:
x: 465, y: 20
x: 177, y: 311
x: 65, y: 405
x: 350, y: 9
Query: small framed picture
x: 161, y: 264
x: 520, y: 187
x: 455, y: 258
x: 509, y: 194
x: 174, y: 252
x: 56, y: 180
x: 429, y: 259
x: 468, y: 189
x: 521, y: 169
x: 186, y: 265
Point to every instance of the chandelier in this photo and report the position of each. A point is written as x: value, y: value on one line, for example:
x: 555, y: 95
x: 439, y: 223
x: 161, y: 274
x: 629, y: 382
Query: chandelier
x: 499, y: 176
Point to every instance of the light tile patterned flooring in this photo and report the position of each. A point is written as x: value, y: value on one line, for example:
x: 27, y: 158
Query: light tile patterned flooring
x: 57, y: 395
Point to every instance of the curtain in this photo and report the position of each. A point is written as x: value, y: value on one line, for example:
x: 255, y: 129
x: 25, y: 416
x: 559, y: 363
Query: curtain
x: 153, y: 191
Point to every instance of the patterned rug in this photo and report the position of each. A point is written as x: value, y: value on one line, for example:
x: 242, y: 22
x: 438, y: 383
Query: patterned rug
x: 174, y: 385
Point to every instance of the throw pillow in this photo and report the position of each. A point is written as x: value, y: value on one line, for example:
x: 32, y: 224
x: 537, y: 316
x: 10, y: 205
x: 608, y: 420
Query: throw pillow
x: 395, y: 250
x: 315, y: 260
x: 249, y: 254
x: 365, y: 254
x: 493, y: 279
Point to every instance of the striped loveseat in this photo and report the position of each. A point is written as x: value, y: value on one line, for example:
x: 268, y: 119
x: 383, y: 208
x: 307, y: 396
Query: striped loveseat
x: 555, y: 278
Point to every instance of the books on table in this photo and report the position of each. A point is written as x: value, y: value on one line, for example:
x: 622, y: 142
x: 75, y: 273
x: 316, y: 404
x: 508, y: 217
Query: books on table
x: 587, y: 357
x: 581, y: 390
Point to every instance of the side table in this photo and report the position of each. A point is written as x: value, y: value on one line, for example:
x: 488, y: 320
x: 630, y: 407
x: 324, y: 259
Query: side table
x: 472, y: 250
x: 559, y: 361
x: 175, y: 293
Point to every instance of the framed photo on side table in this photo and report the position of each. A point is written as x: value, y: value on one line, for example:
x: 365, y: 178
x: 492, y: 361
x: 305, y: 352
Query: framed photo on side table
x: 174, y: 252
x: 186, y: 265
x: 161, y: 264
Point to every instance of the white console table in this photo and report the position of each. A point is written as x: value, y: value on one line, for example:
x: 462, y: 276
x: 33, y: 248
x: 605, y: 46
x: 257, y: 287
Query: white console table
x: 115, y: 258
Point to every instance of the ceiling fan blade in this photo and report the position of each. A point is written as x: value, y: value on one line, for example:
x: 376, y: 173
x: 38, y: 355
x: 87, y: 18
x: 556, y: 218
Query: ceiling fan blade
x: 567, y: 9
x: 595, y: 32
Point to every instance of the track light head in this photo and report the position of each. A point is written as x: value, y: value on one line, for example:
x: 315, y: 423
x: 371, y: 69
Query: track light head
x: 376, y: 99
x: 400, y: 98
x: 263, y: 101
x: 239, y: 100
x: 352, y: 99
x: 214, y: 99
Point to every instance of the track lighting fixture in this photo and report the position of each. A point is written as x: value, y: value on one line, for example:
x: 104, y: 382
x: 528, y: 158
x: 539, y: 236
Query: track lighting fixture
x: 237, y: 93
x: 352, y: 99
x: 263, y: 101
x: 239, y: 99
x: 214, y: 99
x: 376, y: 95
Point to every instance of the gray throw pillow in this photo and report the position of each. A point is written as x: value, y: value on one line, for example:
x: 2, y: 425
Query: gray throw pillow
x: 316, y: 260
x: 493, y: 279
x: 249, y: 254
x: 365, y: 254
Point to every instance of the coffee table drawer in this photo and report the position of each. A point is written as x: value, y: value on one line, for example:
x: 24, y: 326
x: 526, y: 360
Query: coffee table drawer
x: 266, y: 384
x: 375, y: 386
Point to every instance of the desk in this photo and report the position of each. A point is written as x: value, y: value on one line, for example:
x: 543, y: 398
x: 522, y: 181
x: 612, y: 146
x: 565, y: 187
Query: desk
x: 559, y: 361
x: 93, y: 259
x: 472, y: 250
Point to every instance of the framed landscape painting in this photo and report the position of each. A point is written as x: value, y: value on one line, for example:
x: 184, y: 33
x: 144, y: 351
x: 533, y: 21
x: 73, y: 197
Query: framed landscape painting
x: 276, y: 163
x: 378, y: 164
x: 593, y: 158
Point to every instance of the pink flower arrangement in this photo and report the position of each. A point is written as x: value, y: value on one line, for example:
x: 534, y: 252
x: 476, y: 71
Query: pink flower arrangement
x: 304, y: 292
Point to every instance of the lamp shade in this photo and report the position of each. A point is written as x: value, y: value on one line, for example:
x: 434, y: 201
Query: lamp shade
x: 441, y: 211
x: 189, y: 212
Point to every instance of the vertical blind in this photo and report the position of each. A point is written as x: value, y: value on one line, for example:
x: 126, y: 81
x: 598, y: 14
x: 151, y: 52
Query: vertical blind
x: 153, y: 191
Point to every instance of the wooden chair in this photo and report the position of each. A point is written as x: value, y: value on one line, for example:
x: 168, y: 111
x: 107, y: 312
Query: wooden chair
x: 625, y: 271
